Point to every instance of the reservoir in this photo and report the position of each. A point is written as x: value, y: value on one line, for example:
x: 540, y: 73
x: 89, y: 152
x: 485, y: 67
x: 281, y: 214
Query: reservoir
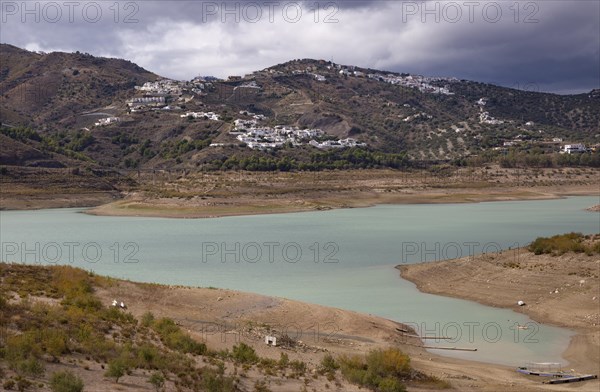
x: 342, y: 258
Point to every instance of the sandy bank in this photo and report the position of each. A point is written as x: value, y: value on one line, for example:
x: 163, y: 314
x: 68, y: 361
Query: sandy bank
x: 222, y: 318
x: 558, y: 290
x: 213, y: 194
x: 139, y: 205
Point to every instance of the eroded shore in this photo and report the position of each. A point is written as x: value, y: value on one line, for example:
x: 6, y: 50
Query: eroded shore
x: 215, y: 194
x: 341, y: 332
x: 559, y: 290
x: 534, y: 279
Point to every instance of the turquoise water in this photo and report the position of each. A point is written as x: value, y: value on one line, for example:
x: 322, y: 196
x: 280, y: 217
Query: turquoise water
x: 341, y: 258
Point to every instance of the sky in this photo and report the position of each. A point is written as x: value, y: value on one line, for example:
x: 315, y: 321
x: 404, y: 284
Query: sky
x: 544, y: 45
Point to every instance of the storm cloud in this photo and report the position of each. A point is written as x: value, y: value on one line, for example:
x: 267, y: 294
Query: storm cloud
x: 545, y: 45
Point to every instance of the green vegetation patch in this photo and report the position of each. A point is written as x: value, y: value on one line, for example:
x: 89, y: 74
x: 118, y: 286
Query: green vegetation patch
x: 75, y: 322
x: 564, y: 243
x: 383, y: 370
x: 65, y: 381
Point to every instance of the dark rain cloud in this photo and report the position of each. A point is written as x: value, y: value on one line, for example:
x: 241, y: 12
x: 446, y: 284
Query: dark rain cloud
x: 552, y: 45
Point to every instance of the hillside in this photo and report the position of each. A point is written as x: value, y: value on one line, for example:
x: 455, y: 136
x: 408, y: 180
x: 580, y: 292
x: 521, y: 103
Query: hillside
x: 60, y: 320
x: 52, y: 92
x: 105, y: 112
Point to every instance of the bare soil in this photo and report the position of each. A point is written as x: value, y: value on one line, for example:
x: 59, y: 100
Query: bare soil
x: 558, y: 290
x: 222, y: 318
x: 206, y: 195
x: 181, y: 194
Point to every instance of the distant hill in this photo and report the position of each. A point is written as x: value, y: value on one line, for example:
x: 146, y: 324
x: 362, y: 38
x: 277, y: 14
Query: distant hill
x: 62, y: 96
x: 50, y: 91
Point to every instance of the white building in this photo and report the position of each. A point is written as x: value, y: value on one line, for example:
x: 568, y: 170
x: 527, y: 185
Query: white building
x: 209, y: 115
x: 574, y: 148
x: 107, y: 121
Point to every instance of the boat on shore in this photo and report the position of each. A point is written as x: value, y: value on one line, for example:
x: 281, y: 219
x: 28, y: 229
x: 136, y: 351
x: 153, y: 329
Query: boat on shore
x: 554, y: 371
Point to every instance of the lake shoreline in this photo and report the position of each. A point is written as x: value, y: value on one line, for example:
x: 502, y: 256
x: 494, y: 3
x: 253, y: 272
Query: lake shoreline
x: 553, y: 297
x: 219, y: 194
x: 231, y: 313
x: 105, y: 204
x: 479, y: 370
x: 182, y: 209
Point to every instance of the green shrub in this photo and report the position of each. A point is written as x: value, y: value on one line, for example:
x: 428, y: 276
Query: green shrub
x: 21, y: 133
x: 379, y: 370
x: 21, y: 347
x: 165, y: 326
x: 172, y: 336
x: 268, y: 365
x: 149, y: 357
x: 390, y: 385
x: 353, y: 368
x: 328, y: 364
x: 390, y: 362
x: 214, y: 382
x: 65, y: 381
x: 30, y: 367
x: 243, y: 353
x: 284, y: 360
x: 147, y: 319
x: 117, y: 315
x: 54, y: 342
x: 157, y: 380
x: 184, y: 343
x: 563, y: 243
x: 81, y: 141
x: 116, y: 369
x: 83, y: 301
x: 298, y: 367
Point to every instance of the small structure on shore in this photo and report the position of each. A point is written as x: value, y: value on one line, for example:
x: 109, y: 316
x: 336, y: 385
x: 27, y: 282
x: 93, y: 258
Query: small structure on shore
x: 542, y: 369
x: 271, y: 341
x: 117, y: 304
x: 554, y: 371
x: 569, y: 379
x: 520, y: 303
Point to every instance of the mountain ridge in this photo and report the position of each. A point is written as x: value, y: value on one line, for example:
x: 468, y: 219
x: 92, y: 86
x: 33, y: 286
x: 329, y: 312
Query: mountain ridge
x: 63, y: 96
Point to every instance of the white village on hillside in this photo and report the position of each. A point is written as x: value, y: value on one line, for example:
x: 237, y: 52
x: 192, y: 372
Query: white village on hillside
x: 163, y: 94
x: 259, y: 137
